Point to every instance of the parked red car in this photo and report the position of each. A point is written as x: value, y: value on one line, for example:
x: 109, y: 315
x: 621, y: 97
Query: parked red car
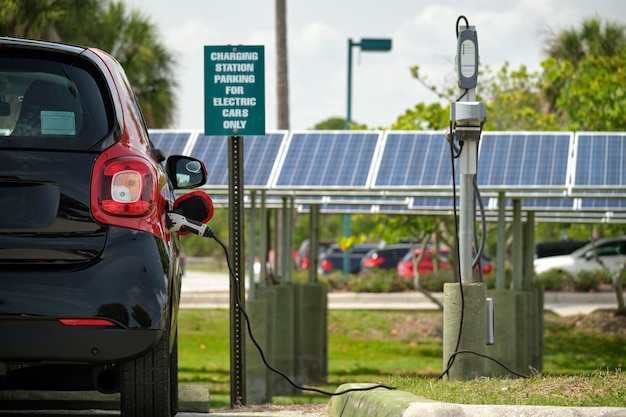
x: 427, y: 264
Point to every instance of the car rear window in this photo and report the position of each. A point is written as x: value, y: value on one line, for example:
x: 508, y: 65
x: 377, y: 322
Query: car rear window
x: 48, y: 102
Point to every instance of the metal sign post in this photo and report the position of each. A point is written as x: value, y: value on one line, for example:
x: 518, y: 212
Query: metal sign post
x: 234, y: 88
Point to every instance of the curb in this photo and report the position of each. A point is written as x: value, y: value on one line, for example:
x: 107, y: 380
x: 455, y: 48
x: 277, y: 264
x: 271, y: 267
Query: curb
x: 381, y: 402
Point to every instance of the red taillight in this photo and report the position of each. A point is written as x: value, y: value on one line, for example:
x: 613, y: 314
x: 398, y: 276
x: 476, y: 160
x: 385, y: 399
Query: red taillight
x: 126, y: 187
x: 304, y: 264
x: 326, y: 265
x: 405, y: 269
x: 87, y: 322
x: 373, y: 262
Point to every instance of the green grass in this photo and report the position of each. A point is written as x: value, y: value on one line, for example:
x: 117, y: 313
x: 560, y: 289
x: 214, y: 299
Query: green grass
x: 404, y: 349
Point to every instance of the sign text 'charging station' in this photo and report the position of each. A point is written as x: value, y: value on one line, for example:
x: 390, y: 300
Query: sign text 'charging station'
x: 234, y: 90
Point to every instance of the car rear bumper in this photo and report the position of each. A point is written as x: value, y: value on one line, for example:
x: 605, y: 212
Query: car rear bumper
x: 49, y: 341
x: 131, y: 284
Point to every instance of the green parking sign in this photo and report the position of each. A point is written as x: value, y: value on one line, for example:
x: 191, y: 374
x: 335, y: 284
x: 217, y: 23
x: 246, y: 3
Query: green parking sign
x: 234, y: 90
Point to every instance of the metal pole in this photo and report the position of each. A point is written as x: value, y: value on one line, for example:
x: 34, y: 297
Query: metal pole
x: 467, y: 221
x: 252, y: 247
x: 346, y: 217
x: 237, y: 287
x: 349, y: 104
x: 501, y: 246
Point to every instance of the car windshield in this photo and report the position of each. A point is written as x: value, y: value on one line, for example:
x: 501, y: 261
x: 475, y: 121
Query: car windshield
x: 601, y: 248
x: 51, y: 104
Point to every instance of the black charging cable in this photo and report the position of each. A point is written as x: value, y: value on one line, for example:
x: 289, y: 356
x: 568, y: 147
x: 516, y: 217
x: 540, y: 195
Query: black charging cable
x: 212, y: 235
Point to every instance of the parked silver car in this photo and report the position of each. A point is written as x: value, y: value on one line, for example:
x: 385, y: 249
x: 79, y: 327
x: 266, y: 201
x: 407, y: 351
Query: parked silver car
x: 610, y: 252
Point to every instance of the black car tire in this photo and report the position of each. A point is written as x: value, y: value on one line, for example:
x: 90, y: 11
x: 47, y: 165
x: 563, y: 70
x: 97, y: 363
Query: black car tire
x: 174, y: 377
x: 146, y: 384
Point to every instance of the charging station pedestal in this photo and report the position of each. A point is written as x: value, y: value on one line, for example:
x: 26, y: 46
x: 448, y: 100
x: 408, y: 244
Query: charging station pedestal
x: 468, y: 306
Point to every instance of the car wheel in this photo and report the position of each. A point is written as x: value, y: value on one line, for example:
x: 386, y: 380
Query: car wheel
x: 174, y: 377
x: 146, y: 384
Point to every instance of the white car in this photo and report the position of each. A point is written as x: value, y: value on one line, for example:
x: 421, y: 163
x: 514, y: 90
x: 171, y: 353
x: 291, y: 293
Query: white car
x: 610, y: 252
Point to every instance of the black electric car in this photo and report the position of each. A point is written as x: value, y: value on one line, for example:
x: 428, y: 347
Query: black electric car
x: 90, y: 273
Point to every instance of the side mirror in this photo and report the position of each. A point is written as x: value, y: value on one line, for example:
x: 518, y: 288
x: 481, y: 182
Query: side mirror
x: 195, y: 205
x: 589, y: 255
x: 185, y: 171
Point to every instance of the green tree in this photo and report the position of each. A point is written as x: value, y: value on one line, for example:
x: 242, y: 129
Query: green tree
x: 134, y: 41
x: 593, y: 38
x: 512, y: 97
x: 130, y: 37
x: 56, y: 20
x: 572, y: 46
x: 338, y: 123
x: 593, y: 93
x: 514, y: 100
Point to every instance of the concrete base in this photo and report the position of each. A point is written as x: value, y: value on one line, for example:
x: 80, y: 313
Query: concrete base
x: 294, y: 318
x: 283, y: 341
x: 504, y: 349
x: 256, y: 372
x: 470, y: 307
x: 311, y: 339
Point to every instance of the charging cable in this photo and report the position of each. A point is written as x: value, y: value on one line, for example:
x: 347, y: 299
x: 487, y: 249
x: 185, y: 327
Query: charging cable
x: 178, y: 222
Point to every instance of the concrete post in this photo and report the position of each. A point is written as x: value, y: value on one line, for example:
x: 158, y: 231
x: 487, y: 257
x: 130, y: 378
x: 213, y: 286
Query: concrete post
x: 505, y: 347
x: 256, y: 373
x: 521, y: 330
x: 311, y: 332
x: 467, y: 302
x: 283, y: 341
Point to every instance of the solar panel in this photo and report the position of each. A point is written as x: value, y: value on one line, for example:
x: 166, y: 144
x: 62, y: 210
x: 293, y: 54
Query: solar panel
x: 414, y: 159
x: 603, y: 204
x: 537, y: 160
x: 600, y: 161
x: 437, y: 203
x: 171, y: 142
x: 326, y: 159
x: 259, y: 155
x: 549, y: 204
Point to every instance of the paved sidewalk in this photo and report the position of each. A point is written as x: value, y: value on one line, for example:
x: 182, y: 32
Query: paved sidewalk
x: 564, y: 304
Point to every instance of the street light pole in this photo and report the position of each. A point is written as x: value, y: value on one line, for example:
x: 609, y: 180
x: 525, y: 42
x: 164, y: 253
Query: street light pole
x: 368, y: 45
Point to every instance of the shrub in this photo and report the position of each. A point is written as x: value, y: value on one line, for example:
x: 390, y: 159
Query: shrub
x: 434, y: 281
x: 587, y: 281
x: 377, y: 281
x: 553, y: 280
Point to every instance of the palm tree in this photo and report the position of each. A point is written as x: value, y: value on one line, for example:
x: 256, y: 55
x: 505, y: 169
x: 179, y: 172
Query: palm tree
x: 130, y: 37
x: 133, y: 40
x: 594, y: 38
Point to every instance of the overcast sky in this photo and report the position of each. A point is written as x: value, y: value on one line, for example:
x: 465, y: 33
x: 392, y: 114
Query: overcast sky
x: 423, y: 34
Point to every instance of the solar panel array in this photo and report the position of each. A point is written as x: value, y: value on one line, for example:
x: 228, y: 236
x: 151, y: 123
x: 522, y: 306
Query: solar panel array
x: 340, y: 159
x: 599, y: 162
x: 523, y: 160
x: 555, y: 173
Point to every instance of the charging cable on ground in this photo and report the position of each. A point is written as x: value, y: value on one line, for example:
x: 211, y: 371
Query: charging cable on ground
x: 178, y: 222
